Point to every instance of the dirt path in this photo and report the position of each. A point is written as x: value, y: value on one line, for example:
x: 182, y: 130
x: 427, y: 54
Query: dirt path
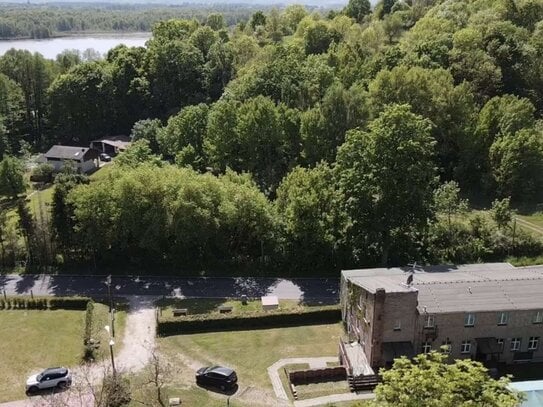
x: 139, y: 337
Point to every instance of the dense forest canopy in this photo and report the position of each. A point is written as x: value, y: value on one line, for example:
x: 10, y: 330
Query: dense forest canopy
x: 296, y: 140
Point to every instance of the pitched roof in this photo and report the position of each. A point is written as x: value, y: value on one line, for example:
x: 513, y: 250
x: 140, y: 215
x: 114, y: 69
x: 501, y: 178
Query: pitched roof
x: 66, y: 152
x: 465, y: 288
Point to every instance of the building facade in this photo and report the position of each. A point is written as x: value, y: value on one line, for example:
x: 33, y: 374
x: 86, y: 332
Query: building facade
x: 84, y: 160
x: 489, y: 312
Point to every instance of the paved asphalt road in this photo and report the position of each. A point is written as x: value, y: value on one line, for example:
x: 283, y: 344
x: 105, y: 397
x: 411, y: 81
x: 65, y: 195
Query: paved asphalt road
x: 308, y: 289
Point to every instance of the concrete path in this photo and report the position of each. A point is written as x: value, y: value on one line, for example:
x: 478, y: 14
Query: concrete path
x: 336, y: 398
x: 273, y: 371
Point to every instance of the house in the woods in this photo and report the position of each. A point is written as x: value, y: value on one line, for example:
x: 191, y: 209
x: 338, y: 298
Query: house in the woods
x: 83, y: 159
x: 489, y: 312
x: 112, y: 145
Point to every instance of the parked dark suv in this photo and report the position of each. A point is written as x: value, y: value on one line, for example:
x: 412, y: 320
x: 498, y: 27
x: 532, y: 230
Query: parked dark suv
x: 217, y: 376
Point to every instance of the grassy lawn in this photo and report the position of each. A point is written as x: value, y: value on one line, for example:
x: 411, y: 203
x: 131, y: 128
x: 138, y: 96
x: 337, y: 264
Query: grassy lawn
x: 34, y: 340
x: 210, y: 306
x: 250, y: 353
x: 309, y: 391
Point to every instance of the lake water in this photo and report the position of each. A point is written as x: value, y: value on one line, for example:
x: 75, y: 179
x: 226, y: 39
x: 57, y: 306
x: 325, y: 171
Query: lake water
x: 51, y: 47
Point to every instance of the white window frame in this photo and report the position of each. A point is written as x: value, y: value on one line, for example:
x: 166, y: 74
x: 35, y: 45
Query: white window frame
x: 465, y: 347
x: 538, y: 318
x: 397, y: 325
x: 516, y: 343
x: 503, y: 318
x: 426, y: 347
x: 501, y: 343
x: 469, y: 320
x: 533, y: 343
x: 429, y: 321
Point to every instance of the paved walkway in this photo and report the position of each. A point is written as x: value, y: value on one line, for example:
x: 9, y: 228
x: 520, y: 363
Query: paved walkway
x: 336, y: 398
x: 273, y: 371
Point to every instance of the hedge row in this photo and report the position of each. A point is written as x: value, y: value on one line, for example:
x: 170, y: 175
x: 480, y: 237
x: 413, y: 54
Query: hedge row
x: 23, y: 303
x: 262, y: 320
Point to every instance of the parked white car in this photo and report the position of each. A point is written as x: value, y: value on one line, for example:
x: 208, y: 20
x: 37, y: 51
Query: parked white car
x: 53, y: 377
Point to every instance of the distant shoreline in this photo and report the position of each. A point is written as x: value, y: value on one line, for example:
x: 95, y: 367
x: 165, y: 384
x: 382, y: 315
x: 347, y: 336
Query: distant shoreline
x: 84, y: 34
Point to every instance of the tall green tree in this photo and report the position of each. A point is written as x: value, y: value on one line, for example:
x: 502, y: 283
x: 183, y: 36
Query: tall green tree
x: 429, y: 380
x: 12, y: 182
x: 386, y: 176
x: 358, y: 9
x: 188, y: 127
x: 517, y: 165
x: 307, y: 203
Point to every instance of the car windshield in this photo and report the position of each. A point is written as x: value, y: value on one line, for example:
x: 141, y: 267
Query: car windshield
x: 38, y: 377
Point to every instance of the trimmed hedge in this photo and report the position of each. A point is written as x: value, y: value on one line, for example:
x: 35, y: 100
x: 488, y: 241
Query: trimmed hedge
x: 262, y: 320
x: 42, y: 303
x: 76, y: 303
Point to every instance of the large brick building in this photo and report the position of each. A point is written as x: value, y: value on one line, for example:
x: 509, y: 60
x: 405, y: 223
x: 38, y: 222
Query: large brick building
x: 489, y: 312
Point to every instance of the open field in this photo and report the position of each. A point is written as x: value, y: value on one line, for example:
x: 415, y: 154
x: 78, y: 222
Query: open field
x: 250, y: 353
x: 33, y: 340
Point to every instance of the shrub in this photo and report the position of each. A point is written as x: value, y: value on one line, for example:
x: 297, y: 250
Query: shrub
x: 261, y: 320
x: 116, y: 391
x: 42, y: 173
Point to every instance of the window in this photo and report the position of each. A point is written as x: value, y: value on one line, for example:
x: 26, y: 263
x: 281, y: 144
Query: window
x: 398, y: 325
x: 515, y: 344
x: 469, y: 320
x: 428, y: 321
x: 533, y: 343
x: 500, y: 343
x: 538, y: 317
x: 465, y: 347
x: 446, y: 346
x: 503, y: 318
x: 426, y: 347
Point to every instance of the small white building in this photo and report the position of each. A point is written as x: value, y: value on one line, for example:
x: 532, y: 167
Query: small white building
x: 83, y: 159
x: 270, y: 302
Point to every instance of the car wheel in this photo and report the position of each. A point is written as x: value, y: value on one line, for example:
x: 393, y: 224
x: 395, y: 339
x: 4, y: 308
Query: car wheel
x: 32, y: 390
x: 223, y: 387
x: 62, y: 385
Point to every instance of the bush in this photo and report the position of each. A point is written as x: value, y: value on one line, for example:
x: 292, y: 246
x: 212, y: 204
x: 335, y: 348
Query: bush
x: 42, y: 173
x: 75, y: 303
x: 116, y: 391
x: 261, y: 320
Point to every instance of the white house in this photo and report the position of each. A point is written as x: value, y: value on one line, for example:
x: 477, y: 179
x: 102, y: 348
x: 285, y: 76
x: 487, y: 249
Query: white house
x: 84, y: 159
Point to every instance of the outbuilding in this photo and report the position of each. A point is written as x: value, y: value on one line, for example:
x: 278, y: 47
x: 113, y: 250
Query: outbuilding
x: 111, y: 145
